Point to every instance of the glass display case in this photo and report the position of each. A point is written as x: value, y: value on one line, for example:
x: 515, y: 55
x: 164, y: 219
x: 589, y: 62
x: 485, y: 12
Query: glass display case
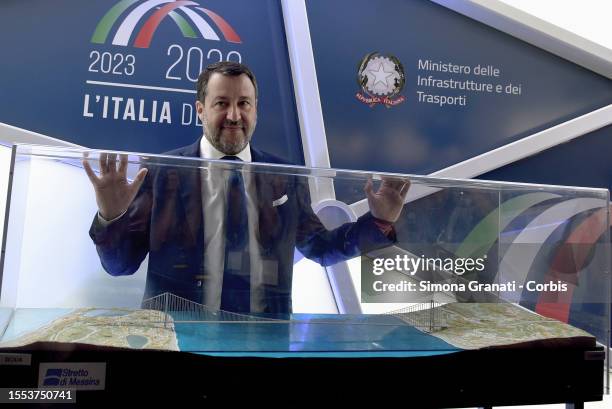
x: 241, y: 260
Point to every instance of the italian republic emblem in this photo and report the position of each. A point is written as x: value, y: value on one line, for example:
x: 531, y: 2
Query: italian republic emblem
x: 381, y: 78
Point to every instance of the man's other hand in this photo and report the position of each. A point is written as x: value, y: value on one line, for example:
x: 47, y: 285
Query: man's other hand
x: 387, y: 202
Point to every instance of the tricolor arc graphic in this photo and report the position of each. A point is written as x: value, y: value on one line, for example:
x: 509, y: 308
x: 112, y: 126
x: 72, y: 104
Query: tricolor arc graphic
x: 155, y: 11
x: 567, y: 264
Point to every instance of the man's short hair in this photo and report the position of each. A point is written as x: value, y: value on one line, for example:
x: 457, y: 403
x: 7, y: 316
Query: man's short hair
x: 229, y: 68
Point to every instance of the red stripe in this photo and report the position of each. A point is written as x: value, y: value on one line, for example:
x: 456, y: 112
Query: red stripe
x: 227, y: 30
x: 145, y: 35
x: 568, y: 262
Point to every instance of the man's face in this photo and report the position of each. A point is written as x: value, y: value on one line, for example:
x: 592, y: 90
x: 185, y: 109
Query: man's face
x: 229, y: 112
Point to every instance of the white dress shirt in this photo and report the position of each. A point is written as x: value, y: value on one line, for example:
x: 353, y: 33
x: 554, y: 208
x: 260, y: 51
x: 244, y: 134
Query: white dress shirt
x: 214, y: 197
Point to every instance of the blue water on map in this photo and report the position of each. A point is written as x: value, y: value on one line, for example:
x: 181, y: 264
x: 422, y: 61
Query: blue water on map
x: 321, y: 335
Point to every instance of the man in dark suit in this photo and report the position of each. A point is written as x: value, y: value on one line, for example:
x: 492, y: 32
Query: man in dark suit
x: 222, y: 236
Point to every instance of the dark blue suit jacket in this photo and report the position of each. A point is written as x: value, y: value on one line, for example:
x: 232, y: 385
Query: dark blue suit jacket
x: 166, y: 221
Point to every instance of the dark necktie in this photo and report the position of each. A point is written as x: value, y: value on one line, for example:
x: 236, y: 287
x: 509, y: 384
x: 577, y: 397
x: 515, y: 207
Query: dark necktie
x: 236, y: 289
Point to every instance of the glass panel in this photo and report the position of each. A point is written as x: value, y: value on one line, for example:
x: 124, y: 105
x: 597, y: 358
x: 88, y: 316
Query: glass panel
x: 198, y: 255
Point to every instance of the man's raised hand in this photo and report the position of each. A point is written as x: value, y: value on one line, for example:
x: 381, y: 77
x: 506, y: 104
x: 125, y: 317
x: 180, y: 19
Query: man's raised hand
x: 114, y: 193
x: 387, y: 202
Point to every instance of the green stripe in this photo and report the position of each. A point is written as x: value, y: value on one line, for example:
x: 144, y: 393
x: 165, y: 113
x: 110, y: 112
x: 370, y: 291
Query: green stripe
x: 481, y: 238
x: 186, y: 29
x: 105, y: 25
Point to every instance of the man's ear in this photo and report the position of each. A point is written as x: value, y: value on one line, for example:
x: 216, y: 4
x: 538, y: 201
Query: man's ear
x: 199, y: 109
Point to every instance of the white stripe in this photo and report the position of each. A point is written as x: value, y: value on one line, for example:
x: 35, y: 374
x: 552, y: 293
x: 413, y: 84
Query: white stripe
x: 205, y: 28
x: 314, y: 141
x: 122, y: 36
x: 529, y: 145
x: 308, y: 100
x: 121, y: 85
x: 510, y: 153
x: 10, y: 135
